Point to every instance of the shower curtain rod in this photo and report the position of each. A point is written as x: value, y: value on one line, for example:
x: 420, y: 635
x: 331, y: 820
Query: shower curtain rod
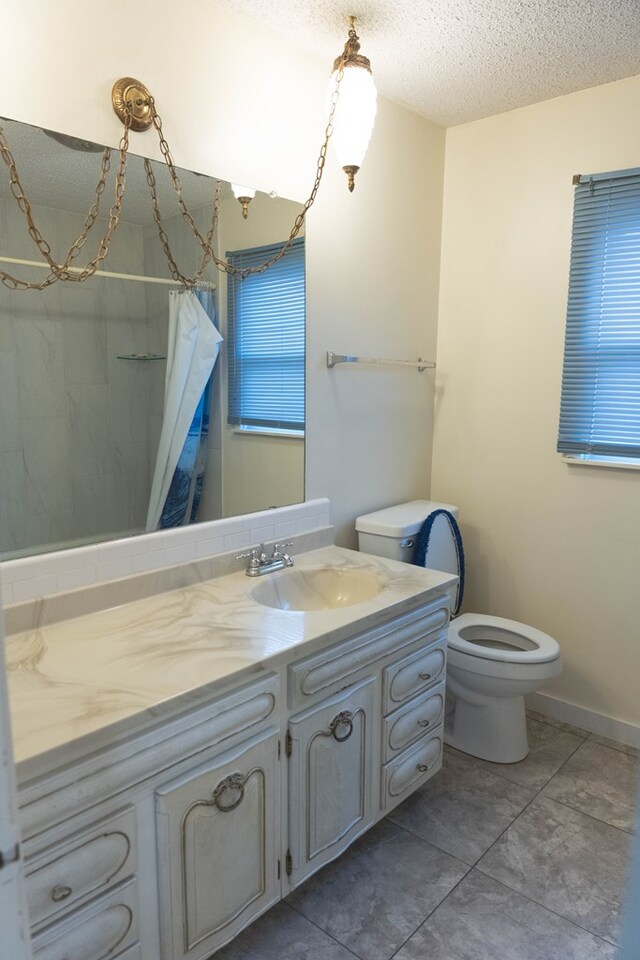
x: 107, y: 273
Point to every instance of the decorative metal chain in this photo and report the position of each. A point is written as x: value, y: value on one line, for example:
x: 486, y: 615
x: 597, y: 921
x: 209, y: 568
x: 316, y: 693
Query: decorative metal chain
x: 206, y: 243
x: 62, y: 271
x: 44, y: 247
x: 79, y: 275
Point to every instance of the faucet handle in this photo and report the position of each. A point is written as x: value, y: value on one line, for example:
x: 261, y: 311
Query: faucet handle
x: 280, y: 553
x: 279, y: 547
x: 256, y: 554
x: 252, y: 555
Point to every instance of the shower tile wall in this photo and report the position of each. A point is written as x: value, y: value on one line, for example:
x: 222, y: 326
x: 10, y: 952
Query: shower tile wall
x: 74, y: 420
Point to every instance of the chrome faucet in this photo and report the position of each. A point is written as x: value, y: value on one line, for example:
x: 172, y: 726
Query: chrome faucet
x: 261, y: 563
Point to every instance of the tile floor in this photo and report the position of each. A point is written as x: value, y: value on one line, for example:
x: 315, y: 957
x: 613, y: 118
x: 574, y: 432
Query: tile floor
x: 486, y: 862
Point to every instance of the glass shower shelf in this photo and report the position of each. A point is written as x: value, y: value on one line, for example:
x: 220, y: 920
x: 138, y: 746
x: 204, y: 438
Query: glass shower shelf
x: 140, y: 356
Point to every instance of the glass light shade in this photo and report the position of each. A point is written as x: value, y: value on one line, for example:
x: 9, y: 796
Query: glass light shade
x: 354, y: 116
x: 240, y: 191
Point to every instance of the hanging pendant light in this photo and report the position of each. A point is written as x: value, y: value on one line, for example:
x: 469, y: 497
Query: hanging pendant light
x: 356, y: 109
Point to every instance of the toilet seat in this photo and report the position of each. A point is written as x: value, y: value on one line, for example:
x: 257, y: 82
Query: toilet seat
x: 498, y: 639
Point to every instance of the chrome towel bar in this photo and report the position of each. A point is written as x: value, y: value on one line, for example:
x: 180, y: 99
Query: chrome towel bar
x: 419, y: 364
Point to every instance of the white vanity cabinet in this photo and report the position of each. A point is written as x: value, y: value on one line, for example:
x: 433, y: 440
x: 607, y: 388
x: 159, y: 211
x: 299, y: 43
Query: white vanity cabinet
x: 330, y: 773
x: 218, y: 848
x: 163, y: 845
x: 166, y: 845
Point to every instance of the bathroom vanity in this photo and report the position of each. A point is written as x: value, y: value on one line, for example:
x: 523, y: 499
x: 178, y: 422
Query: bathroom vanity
x: 187, y: 759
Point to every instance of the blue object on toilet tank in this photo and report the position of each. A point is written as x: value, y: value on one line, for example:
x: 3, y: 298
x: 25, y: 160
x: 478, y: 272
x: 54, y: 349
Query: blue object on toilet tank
x: 422, y: 546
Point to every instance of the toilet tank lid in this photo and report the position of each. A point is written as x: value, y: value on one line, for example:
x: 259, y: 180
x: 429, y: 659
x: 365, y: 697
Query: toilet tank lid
x: 402, y: 520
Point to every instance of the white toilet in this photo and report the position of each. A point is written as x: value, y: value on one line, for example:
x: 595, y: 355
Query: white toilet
x: 492, y: 662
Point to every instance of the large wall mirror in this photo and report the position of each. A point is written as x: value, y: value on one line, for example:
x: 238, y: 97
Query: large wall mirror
x: 91, y: 375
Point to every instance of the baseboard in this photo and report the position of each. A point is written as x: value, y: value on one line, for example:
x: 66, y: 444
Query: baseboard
x: 618, y: 730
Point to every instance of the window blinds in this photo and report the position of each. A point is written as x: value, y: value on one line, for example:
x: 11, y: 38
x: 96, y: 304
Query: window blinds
x: 600, y: 404
x: 266, y: 339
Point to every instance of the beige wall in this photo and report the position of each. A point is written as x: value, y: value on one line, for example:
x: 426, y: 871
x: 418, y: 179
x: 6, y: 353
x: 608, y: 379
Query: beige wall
x: 373, y: 262
x: 250, y: 108
x: 547, y: 543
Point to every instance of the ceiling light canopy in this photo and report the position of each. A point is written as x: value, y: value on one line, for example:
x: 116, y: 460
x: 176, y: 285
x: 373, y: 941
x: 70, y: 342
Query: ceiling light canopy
x: 356, y: 109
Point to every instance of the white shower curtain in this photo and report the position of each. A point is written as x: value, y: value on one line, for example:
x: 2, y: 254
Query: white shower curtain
x: 192, y: 351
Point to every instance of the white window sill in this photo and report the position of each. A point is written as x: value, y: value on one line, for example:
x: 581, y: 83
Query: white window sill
x: 620, y: 463
x: 269, y: 432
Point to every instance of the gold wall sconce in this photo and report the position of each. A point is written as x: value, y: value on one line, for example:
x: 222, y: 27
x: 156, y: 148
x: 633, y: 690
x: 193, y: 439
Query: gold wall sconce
x: 244, y: 196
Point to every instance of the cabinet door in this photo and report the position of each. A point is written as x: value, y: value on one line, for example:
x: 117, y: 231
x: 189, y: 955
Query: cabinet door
x: 218, y: 845
x: 329, y: 779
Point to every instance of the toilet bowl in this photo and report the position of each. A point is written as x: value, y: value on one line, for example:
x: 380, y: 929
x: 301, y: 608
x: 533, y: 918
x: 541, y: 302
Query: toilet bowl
x: 492, y: 663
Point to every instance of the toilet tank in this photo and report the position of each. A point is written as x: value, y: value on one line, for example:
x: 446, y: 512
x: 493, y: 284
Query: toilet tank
x: 392, y: 533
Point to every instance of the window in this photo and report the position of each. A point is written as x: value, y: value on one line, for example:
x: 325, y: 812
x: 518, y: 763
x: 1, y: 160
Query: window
x: 266, y: 323
x: 600, y: 406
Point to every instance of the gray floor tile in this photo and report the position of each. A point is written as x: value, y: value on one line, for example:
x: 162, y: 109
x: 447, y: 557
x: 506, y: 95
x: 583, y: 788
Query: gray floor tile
x: 616, y: 745
x: 484, y: 920
x: 549, y: 747
x: 463, y: 809
x: 598, y: 781
x: 378, y: 893
x: 559, y: 724
x: 566, y: 861
x: 283, y: 934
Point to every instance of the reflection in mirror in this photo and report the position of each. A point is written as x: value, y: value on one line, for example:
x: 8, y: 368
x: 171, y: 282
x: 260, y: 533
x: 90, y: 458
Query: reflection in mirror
x: 132, y: 404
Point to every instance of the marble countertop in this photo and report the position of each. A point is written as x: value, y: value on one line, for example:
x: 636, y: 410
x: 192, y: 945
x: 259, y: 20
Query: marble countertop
x: 81, y: 684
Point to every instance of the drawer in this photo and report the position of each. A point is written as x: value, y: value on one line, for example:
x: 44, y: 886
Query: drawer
x: 414, y: 720
x: 83, y: 865
x: 328, y: 671
x: 108, y: 927
x: 407, y: 677
x: 411, y: 768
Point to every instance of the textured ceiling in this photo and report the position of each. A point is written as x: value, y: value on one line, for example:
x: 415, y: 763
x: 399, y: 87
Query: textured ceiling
x: 460, y: 60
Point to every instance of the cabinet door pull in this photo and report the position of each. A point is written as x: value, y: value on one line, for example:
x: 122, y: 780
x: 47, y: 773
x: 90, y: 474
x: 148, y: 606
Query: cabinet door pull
x: 422, y: 767
x: 424, y: 676
x: 234, y: 785
x: 424, y: 723
x: 60, y: 893
x: 343, y: 719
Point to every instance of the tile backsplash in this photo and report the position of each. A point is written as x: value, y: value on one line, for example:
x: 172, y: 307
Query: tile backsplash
x: 32, y: 577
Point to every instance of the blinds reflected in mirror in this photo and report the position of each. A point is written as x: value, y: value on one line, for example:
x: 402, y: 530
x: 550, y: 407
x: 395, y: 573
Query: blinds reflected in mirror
x: 266, y: 340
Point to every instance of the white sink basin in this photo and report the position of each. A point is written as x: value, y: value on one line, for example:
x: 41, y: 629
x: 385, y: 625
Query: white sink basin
x: 320, y: 588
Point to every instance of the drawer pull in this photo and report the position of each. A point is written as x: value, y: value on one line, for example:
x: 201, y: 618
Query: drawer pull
x: 343, y: 719
x: 60, y: 893
x: 423, y: 767
x: 425, y: 676
x: 424, y: 723
x: 234, y: 784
